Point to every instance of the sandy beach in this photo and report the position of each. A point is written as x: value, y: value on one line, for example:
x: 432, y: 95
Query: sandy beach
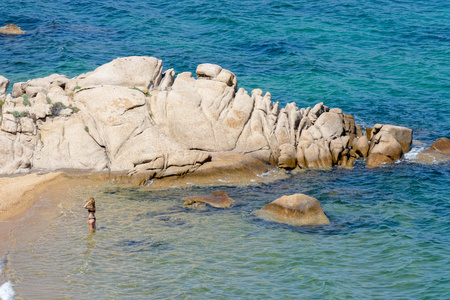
x: 17, y: 195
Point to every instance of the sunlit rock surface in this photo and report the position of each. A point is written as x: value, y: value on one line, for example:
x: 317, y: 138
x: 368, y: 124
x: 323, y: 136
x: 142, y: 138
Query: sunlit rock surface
x: 130, y: 117
x: 298, y: 209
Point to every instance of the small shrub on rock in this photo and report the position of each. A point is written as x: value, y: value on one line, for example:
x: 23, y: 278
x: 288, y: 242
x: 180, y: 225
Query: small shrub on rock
x: 56, y: 108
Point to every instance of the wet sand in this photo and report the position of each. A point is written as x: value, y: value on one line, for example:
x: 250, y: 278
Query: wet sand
x: 17, y: 196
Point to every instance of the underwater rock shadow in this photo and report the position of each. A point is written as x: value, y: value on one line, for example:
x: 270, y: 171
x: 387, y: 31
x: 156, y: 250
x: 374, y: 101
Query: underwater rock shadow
x: 142, y: 245
x: 337, y: 225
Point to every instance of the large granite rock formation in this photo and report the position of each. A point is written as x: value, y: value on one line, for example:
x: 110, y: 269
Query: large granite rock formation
x: 129, y: 117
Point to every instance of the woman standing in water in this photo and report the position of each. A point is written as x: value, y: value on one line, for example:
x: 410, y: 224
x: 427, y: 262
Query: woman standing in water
x: 90, y: 206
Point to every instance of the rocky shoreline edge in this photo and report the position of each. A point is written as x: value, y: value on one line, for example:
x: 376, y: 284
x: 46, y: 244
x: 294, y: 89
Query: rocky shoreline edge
x: 129, y: 122
x: 130, y: 118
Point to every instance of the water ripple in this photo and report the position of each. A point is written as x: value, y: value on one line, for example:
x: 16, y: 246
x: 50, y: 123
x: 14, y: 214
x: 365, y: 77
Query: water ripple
x: 384, y: 62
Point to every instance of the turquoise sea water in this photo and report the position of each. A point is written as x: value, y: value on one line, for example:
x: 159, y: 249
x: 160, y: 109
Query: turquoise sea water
x: 382, y: 61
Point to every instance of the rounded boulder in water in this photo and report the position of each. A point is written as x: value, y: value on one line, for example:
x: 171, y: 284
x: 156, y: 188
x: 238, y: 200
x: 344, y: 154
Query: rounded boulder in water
x: 439, y: 152
x: 442, y: 145
x: 297, y: 210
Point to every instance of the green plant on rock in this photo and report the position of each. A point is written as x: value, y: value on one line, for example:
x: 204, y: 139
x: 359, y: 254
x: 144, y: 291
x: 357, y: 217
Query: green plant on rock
x: 86, y: 128
x: 25, y: 101
x: 146, y: 93
x: 49, y: 101
x: 19, y: 114
x: 77, y: 88
x: 74, y: 109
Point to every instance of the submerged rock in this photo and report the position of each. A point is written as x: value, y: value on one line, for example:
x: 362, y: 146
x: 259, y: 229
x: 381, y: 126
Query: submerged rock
x: 217, y: 199
x: 439, y: 152
x: 298, y: 209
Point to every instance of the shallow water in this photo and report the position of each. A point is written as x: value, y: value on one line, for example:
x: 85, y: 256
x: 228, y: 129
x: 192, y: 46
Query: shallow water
x: 388, y: 238
x: 382, y: 61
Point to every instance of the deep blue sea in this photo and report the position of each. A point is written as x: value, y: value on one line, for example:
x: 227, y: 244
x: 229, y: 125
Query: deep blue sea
x: 382, y: 61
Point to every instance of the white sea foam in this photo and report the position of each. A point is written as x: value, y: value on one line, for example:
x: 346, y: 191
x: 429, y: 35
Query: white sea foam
x: 412, y: 154
x: 266, y: 174
x: 6, y: 291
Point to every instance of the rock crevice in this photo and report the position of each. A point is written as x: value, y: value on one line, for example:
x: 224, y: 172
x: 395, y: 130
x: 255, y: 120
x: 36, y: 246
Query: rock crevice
x: 130, y: 117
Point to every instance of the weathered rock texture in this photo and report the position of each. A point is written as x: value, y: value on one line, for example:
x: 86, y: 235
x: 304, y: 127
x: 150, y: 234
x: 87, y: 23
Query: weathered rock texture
x: 4, y: 84
x: 11, y: 29
x: 129, y: 117
x: 439, y: 152
x: 388, y: 143
x: 442, y: 145
x: 217, y: 199
x: 298, y: 209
